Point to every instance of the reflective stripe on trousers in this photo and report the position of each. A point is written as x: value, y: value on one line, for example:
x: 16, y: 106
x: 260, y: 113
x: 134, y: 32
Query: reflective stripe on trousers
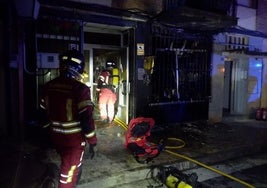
x: 71, y: 161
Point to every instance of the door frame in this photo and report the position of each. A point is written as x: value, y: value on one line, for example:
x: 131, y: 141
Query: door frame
x: 123, y: 121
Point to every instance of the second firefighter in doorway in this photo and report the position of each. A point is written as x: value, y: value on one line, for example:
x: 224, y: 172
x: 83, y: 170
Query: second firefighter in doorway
x: 107, y: 93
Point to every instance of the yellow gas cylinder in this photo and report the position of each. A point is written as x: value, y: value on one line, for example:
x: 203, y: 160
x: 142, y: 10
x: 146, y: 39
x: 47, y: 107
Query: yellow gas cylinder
x: 115, y: 76
x: 172, y: 181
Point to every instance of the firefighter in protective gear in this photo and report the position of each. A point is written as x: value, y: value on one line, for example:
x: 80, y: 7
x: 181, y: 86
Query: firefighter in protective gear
x: 66, y: 102
x: 107, y: 94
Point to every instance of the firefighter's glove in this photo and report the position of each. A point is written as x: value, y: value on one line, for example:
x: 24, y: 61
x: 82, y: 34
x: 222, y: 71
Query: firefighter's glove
x: 92, y: 150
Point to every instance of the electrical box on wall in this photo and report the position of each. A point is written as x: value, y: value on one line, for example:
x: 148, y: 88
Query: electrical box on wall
x: 47, y: 60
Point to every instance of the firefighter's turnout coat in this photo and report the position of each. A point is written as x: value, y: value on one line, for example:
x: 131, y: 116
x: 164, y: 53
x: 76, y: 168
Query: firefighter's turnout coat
x: 107, y: 96
x: 68, y: 105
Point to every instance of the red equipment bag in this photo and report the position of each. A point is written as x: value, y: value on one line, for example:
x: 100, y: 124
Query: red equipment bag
x: 136, y: 139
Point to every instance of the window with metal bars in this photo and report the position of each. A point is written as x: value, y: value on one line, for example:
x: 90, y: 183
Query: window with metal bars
x: 182, y: 69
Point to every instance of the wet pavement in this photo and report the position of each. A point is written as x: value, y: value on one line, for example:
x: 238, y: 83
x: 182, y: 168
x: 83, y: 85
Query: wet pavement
x: 249, y: 171
x: 28, y: 164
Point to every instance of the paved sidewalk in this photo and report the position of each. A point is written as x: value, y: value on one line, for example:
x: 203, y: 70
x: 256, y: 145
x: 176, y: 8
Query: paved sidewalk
x: 208, y: 143
x: 24, y: 165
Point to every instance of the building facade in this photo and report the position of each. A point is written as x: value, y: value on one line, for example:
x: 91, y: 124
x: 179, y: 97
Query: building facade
x: 175, y: 61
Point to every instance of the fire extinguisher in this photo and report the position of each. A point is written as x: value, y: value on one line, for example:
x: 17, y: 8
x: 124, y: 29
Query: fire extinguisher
x: 264, y: 114
x: 259, y: 114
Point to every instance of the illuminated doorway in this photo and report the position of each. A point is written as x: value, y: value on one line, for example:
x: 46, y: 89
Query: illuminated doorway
x: 98, y: 56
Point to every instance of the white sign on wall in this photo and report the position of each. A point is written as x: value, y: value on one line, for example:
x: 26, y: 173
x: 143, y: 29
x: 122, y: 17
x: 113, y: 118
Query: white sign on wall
x: 140, y: 49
